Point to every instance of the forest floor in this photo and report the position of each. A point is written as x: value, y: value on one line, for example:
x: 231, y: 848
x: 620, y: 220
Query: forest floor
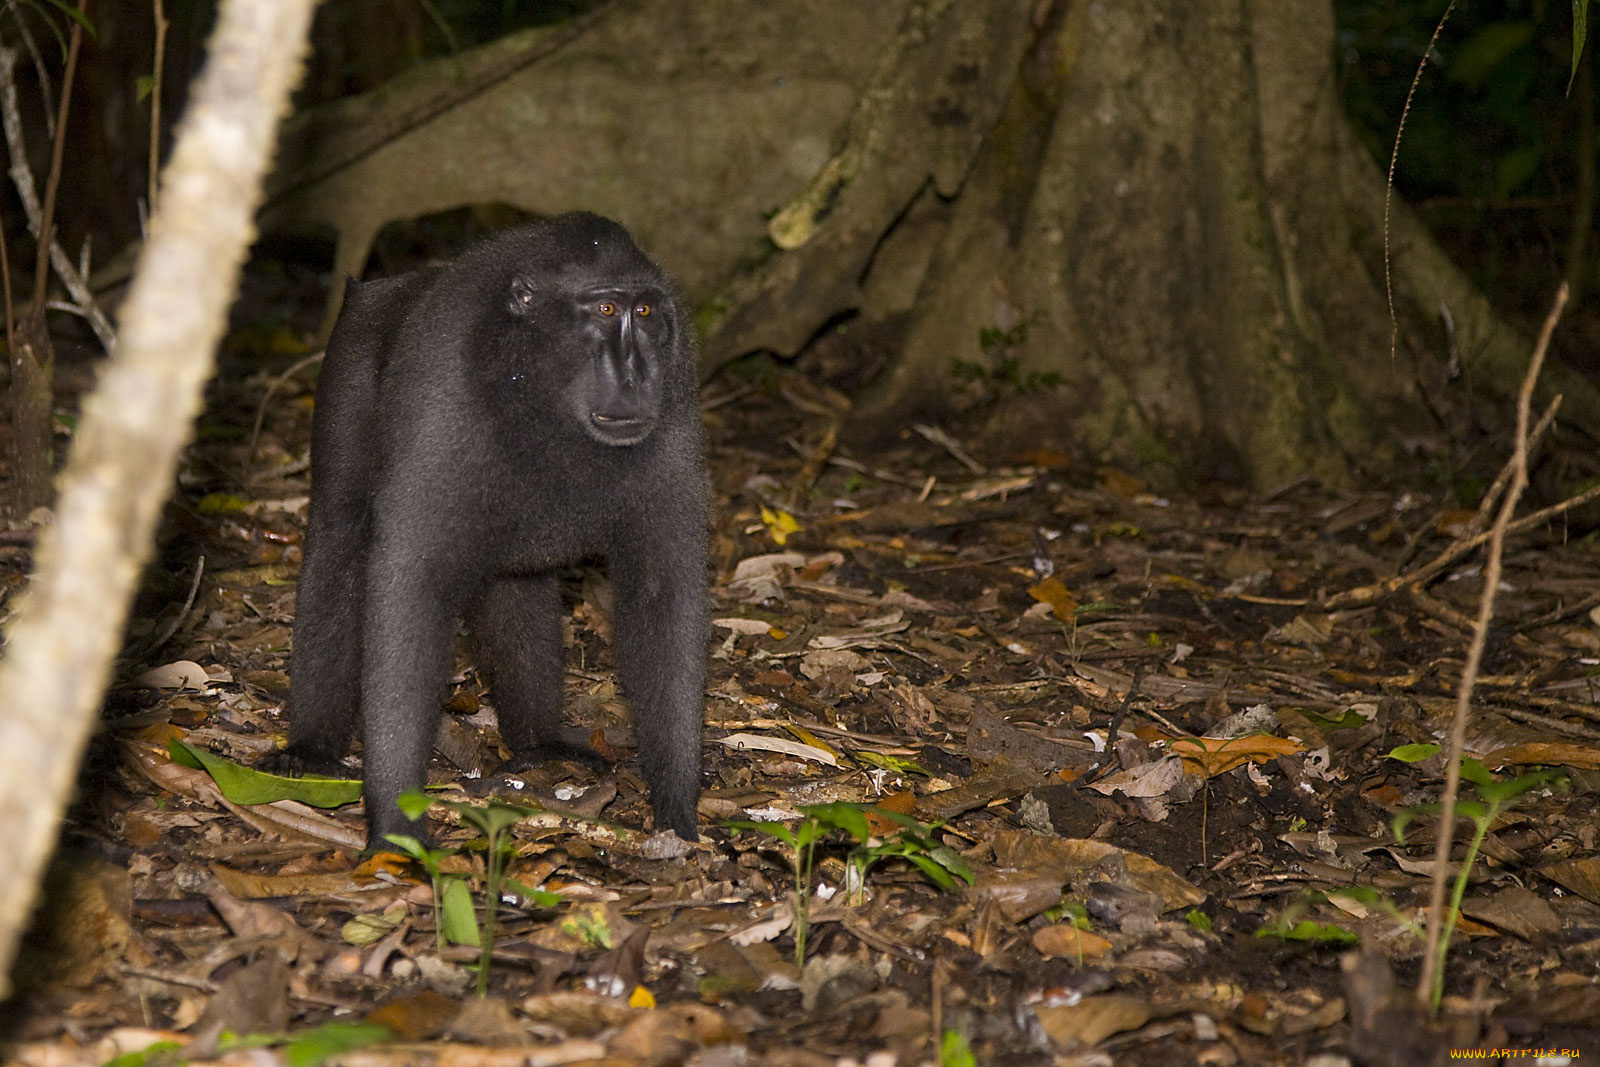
x: 944, y: 643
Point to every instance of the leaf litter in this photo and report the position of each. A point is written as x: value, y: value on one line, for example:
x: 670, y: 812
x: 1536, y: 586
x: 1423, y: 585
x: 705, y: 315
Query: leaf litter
x: 1161, y: 735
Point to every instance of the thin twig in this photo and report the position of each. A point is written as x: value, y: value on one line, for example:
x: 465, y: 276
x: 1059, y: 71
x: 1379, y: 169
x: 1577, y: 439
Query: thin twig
x: 38, y: 66
x: 155, y: 98
x: 58, y: 150
x: 1368, y: 594
x: 1501, y: 480
x: 1426, y: 979
x: 183, y: 613
x: 28, y: 193
x: 273, y: 387
x: 950, y: 445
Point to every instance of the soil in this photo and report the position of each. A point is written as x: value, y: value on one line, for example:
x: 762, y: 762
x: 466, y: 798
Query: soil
x: 1165, y: 738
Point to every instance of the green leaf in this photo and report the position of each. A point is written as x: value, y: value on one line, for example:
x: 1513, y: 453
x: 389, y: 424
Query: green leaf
x: 894, y: 764
x: 458, y: 920
x: 539, y: 898
x: 1515, y: 166
x: 221, y: 504
x: 312, y: 1047
x: 1306, y: 930
x: 1475, y: 772
x: 490, y: 818
x: 143, y: 86
x: 413, y: 802
x: 72, y: 13
x: 954, y: 1050
x: 1198, y: 919
x: 951, y: 860
x: 840, y: 816
x: 246, y: 785
x: 154, y: 1052
x: 936, y: 874
x: 1501, y: 794
x: 771, y: 829
x: 1415, y: 753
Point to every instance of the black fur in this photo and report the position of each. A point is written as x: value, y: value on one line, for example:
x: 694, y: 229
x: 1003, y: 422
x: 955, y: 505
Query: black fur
x: 477, y: 426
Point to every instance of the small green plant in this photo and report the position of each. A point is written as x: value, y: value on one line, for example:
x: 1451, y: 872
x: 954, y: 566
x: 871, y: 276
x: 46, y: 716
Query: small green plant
x: 452, y: 900
x: 1492, y: 798
x: 802, y: 841
x: 954, y: 1051
x: 912, y: 841
x: 1001, y: 369
x: 451, y: 923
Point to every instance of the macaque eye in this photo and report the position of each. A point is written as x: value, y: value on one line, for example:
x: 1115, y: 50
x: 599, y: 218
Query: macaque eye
x: 607, y: 308
x: 643, y: 310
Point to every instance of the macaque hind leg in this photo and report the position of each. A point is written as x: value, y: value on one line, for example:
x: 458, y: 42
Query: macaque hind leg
x: 516, y: 634
x: 325, y: 681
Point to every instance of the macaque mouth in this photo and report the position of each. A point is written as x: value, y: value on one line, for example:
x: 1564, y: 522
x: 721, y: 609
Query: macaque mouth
x: 620, y: 429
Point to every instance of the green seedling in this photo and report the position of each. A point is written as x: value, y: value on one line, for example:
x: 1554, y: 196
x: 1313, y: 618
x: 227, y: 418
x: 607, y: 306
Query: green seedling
x: 449, y: 923
x: 1492, y: 798
x: 954, y: 1051
x: 453, y: 911
x: 1308, y: 930
x: 1068, y: 911
x: 912, y: 842
x: 1291, y: 925
x: 802, y: 841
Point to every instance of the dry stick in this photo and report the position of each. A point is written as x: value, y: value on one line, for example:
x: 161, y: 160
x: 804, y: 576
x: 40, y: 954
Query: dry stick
x: 58, y: 149
x: 38, y: 65
x: 1388, y: 185
x: 22, y: 178
x: 272, y: 387
x: 155, y: 98
x: 1480, y: 635
x: 61, y: 642
x: 1368, y: 594
x: 1535, y: 437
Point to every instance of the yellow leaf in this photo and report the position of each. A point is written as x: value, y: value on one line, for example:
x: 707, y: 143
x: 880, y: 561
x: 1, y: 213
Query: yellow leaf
x: 806, y: 737
x: 1051, y: 591
x: 641, y: 998
x: 780, y: 524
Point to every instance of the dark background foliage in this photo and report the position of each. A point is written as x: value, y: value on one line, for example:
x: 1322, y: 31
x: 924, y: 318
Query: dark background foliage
x: 1490, y: 160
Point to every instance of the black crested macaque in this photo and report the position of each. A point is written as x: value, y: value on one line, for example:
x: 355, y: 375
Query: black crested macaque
x: 477, y: 426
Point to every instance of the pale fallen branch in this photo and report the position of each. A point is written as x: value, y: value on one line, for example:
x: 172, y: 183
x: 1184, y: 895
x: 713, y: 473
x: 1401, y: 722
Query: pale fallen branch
x: 60, y: 646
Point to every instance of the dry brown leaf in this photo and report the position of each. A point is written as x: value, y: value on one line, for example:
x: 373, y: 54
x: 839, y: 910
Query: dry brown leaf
x: 1066, y: 942
x: 1545, y: 754
x: 1093, y: 1019
x: 1211, y: 756
x: 1019, y: 848
x: 1581, y: 876
x: 417, y: 1016
x: 1051, y: 591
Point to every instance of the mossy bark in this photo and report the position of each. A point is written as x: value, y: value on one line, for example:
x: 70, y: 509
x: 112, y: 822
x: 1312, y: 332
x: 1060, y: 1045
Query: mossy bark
x: 1167, y: 255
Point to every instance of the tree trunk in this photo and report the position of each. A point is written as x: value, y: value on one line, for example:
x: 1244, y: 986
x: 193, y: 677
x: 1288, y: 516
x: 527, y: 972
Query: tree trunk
x: 1164, y: 251
x: 32, y: 416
